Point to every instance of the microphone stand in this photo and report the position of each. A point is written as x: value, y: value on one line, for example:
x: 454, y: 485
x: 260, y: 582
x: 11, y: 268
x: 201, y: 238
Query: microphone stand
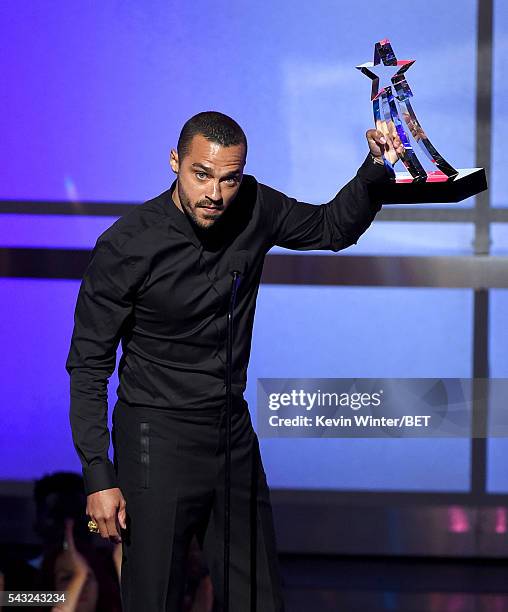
x: 229, y: 403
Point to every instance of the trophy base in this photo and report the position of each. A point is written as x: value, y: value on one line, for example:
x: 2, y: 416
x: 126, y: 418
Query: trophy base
x: 438, y: 188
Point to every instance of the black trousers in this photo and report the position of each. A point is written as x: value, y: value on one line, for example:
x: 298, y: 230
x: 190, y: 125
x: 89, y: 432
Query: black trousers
x: 170, y: 468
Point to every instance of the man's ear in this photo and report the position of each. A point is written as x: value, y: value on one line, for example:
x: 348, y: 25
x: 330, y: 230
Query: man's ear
x: 173, y: 161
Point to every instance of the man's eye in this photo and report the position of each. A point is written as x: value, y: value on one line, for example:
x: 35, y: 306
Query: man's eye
x: 232, y: 181
x: 201, y: 175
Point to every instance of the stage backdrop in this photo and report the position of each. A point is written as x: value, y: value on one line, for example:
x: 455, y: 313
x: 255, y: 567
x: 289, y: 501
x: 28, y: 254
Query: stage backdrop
x: 93, y: 98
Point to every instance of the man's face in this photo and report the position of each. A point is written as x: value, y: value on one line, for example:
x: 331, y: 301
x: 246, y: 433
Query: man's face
x: 209, y: 177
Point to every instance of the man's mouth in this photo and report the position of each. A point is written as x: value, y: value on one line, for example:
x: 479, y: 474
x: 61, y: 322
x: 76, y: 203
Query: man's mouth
x: 217, y: 208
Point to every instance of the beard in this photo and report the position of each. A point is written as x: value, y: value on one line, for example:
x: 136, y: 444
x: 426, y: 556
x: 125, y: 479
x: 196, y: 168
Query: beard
x: 190, y: 211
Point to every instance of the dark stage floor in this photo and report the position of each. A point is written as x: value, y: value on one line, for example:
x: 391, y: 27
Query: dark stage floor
x: 381, y: 584
x: 323, y: 584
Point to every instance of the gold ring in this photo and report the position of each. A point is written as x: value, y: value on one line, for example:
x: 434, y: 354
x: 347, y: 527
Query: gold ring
x: 92, y: 526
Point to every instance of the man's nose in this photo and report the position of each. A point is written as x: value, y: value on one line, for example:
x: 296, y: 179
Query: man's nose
x: 214, y: 192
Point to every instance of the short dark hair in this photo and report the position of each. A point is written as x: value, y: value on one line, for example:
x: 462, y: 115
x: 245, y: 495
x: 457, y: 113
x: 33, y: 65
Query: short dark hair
x: 215, y: 127
x: 57, y: 482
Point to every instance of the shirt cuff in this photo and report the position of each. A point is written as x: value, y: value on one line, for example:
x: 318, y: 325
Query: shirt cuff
x: 99, y: 477
x: 372, y: 172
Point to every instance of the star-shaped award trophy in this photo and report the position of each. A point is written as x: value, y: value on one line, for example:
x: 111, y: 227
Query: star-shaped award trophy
x: 393, y: 111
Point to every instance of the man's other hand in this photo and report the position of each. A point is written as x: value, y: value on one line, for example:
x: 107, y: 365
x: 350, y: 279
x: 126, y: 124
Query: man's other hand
x: 107, y: 509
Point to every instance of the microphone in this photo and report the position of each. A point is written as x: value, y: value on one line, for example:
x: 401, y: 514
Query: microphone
x: 237, y: 266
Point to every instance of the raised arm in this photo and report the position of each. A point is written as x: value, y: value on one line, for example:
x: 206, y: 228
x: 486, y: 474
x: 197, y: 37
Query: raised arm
x: 340, y: 222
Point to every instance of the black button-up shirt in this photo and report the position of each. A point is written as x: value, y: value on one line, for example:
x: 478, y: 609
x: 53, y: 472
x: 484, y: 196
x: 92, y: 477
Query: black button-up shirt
x: 161, y: 287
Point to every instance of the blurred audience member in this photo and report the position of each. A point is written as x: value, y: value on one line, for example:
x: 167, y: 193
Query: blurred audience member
x: 59, y: 496
x: 87, y: 576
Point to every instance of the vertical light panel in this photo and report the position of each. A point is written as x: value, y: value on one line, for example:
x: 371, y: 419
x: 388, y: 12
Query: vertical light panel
x: 499, y: 115
x: 321, y: 332
x: 497, y: 472
x: 35, y: 326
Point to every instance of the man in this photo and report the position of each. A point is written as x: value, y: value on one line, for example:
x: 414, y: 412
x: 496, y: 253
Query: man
x: 159, y: 280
